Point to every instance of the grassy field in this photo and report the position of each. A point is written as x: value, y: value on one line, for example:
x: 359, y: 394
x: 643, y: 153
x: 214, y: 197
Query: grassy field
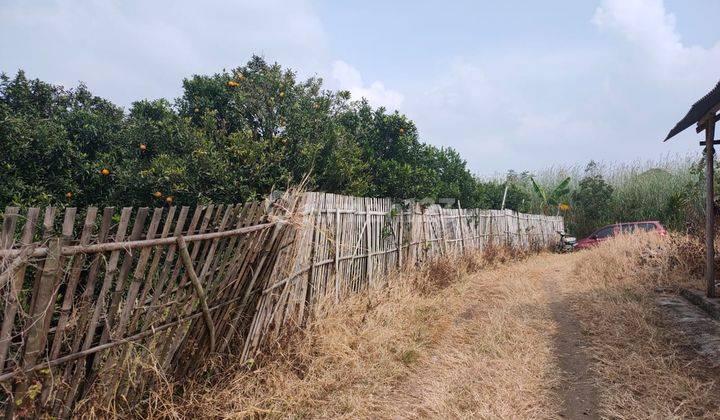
x: 485, y: 336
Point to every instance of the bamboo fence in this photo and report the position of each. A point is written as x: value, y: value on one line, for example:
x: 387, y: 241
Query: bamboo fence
x: 87, y: 294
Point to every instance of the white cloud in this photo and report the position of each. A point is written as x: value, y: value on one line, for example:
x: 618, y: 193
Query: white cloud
x: 349, y: 78
x: 613, y: 101
x: 651, y: 29
x: 506, y: 112
x: 139, y: 49
x: 519, y: 107
x: 644, y: 22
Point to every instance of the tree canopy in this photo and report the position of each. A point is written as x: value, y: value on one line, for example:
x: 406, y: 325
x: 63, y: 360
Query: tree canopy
x: 237, y: 134
x: 231, y: 136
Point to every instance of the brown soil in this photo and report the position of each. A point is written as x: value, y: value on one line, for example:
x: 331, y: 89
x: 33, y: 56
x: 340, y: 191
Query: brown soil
x: 578, y: 388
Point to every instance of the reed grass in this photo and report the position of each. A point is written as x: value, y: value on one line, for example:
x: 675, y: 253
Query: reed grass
x: 669, y: 189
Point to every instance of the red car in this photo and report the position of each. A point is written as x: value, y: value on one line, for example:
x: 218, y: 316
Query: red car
x: 614, y: 230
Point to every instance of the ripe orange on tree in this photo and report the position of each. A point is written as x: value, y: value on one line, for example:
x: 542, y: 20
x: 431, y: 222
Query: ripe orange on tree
x: 169, y: 199
x: 68, y: 195
x: 157, y: 194
x: 105, y: 171
x: 143, y: 147
x: 233, y: 83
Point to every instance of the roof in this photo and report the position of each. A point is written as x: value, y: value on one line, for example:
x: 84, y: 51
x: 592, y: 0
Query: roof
x: 697, y: 111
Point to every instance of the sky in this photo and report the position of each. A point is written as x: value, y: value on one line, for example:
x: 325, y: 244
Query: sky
x: 518, y: 85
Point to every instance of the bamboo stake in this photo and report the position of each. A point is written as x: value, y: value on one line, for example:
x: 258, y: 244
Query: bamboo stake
x: 337, y: 255
x: 72, y: 283
x: 14, y: 292
x: 442, y: 231
x: 460, y: 221
x: 368, y: 241
x: 311, y: 258
x: 187, y: 261
x: 400, y: 239
x: 100, y: 347
x: 425, y: 234
x: 8, y: 231
x: 37, y: 332
x: 48, y: 229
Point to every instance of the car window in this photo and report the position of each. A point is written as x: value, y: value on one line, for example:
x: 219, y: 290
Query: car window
x: 628, y: 227
x: 648, y: 226
x: 604, y: 232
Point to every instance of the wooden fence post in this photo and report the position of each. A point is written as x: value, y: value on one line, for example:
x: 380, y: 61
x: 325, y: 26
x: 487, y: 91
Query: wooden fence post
x: 489, y: 238
x: 460, y: 221
x: 315, y: 216
x: 710, y: 206
x: 400, y: 237
x: 187, y: 261
x: 508, y: 241
x: 337, y: 252
x: 425, y: 245
x: 368, y: 239
x: 37, y: 334
x: 442, y: 231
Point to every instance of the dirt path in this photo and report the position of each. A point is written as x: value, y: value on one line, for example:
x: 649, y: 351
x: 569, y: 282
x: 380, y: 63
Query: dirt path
x: 519, y: 354
x: 578, y: 386
x: 575, y: 336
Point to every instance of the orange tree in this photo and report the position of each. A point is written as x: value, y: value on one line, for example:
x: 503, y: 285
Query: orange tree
x: 231, y: 136
x: 56, y: 141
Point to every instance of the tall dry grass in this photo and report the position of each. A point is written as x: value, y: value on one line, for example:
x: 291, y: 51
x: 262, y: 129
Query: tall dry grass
x: 496, y: 358
x: 669, y: 189
x: 475, y: 337
x: 360, y: 359
x: 644, y: 366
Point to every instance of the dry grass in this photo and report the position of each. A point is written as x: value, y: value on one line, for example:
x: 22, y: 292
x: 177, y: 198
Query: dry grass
x: 495, y: 359
x: 485, y: 341
x: 644, y: 366
x: 473, y: 337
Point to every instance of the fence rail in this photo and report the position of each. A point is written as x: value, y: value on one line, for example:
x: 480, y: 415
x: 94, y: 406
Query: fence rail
x: 87, y: 294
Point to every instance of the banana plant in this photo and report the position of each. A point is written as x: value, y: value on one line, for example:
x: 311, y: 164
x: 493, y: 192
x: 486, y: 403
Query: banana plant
x: 553, y: 198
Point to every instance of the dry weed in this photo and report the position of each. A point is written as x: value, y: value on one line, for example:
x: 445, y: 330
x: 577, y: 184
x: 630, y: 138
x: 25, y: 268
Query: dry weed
x: 642, y: 363
x: 444, y: 342
x: 360, y: 359
x: 495, y: 359
x: 443, y: 271
x: 345, y: 355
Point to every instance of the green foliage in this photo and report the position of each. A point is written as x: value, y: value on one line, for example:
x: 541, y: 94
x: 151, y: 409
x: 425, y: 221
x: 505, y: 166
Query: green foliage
x: 54, y: 141
x: 231, y: 136
x: 670, y: 190
x: 238, y: 134
x: 551, y: 200
x: 591, y: 203
x: 489, y: 193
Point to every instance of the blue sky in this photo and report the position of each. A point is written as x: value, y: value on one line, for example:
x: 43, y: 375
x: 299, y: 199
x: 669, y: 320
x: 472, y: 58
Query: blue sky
x: 511, y: 85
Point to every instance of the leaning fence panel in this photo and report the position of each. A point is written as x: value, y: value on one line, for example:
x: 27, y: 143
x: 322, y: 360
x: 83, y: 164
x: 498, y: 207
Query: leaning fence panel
x: 94, y: 300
